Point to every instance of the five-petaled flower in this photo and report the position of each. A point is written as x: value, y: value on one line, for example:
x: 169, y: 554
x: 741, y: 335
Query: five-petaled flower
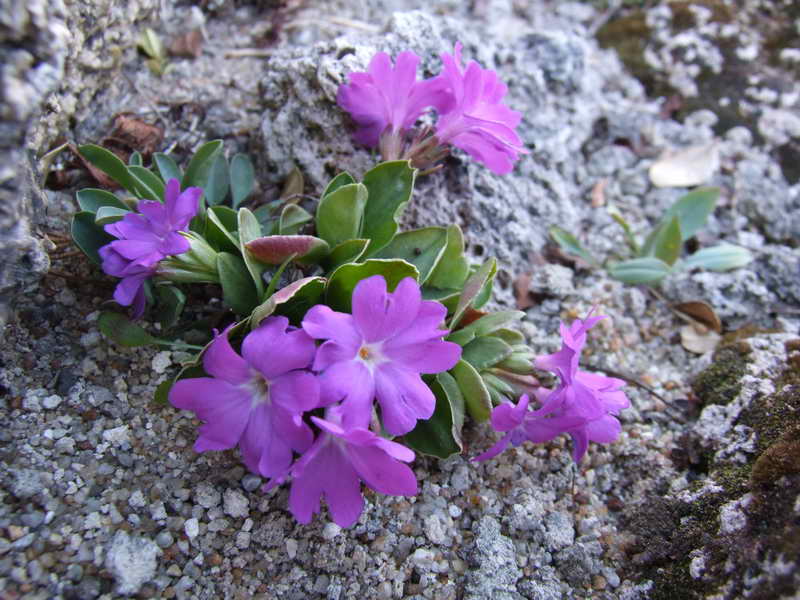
x: 255, y: 400
x: 583, y: 405
x: 146, y: 237
x: 340, y: 459
x: 380, y: 351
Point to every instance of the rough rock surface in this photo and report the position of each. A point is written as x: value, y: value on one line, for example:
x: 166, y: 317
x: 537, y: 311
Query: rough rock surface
x: 103, y: 495
x: 56, y: 56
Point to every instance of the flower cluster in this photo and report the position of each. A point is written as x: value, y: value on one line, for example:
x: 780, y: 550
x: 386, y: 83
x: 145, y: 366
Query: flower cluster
x: 259, y: 401
x: 145, y: 238
x: 386, y: 101
x: 583, y: 405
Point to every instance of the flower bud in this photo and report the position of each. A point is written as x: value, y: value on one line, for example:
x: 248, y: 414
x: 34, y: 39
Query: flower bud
x: 198, y: 265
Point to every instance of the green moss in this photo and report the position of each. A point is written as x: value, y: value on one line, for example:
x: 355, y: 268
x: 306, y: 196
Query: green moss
x: 720, y: 383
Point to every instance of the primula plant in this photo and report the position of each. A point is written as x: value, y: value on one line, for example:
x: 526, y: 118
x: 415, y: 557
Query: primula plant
x: 661, y: 252
x: 342, y: 346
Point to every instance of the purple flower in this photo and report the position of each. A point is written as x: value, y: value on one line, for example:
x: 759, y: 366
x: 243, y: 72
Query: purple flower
x: 386, y: 97
x: 583, y: 405
x: 340, y: 459
x: 144, y: 238
x: 255, y: 400
x: 473, y: 117
x: 380, y: 350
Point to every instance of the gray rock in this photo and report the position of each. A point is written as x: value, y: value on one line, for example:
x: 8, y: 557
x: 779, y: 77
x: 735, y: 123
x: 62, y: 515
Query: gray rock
x: 207, y: 495
x: 132, y: 561
x: 496, y: 573
x: 236, y: 504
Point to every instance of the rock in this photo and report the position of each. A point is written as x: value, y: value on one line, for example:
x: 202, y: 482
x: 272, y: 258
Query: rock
x: 236, y: 504
x: 192, y: 528
x: 496, y: 573
x: 132, y: 562
x: 207, y: 495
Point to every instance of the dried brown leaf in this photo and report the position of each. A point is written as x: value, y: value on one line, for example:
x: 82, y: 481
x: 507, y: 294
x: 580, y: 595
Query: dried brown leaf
x: 699, y: 339
x: 187, y: 45
x: 599, y: 193
x: 701, y: 312
x: 522, y: 292
x: 137, y: 134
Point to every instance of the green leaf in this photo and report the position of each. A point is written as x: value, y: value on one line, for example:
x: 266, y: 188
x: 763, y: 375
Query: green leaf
x: 441, y: 434
x: 340, y: 214
x: 218, y: 180
x: 423, y: 248
x: 613, y: 211
x: 485, y: 325
x: 692, y: 210
x: 294, y: 184
x: 123, y: 331
x: 509, y: 336
x: 222, y: 225
x: 344, y: 279
x: 472, y: 289
x: 109, y: 214
x: 452, y: 270
x: 292, y: 301
x: 89, y: 236
x: 348, y: 251
x: 293, y: 217
x: 249, y: 230
x: 199, y: 168
x: 91, y: 199
x: 167, y: 167
x: 151, y: 45
x: 171, y: 301
x: 723, y: 257
x: 161, y: 395
x: 242, y: 178
x: 476, y: 396
x: 110, y: 164
x: 148, y: 184
x: 570, y: 244
x: 135, y: 159
x: 640, y: 270
x: 484, y: 352
x: 390, y: 185
x: 274, y: 249
x: 238, y: 289
x: 341, y: 180
x: 665, y: 242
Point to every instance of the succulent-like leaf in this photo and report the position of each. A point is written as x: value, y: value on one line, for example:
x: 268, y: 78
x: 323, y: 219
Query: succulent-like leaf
x: 723, y: 257
x: 222, y: 226
x: 453, y: 269
x: 171, y: 301
x: 390, y: 185
x: 664, y: 242
x: 294, y: 184
x: 486, y: 351
x: 122, y: 330
x: 341, y: 180
x: 219, y: 180
x: 292, y: 301
x: 242, y: 178
x: 640, y: 270
x: 477, y: 398
x: 570, y: 244
x: 110, y: 164
x: 421, y: 247
x: 249, y: 230
x: 148, y: 183
x: 693, y: 209
x: 472, y: 289
x: 347, y: 251
x: 135, y: 159
x: 484, y: 326
x: 292, y: 218
x: 238, y: 290
x: 343, y: 281
x: 167, y: 167
x: 340, y: 214
x: 91, y: 199
x: 441, y: 434
x: 274, y: 249
x: 199, y: 167
x: 109, y: 214
x: 89, y: 236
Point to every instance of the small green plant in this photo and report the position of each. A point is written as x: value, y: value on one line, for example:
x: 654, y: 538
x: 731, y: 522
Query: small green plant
x: 151, y: 45
x: 661, y: 252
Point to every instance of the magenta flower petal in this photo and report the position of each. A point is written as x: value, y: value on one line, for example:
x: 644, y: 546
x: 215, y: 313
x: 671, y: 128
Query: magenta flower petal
x: 580, y: 443
x: 129, y: 287
x: 379, y: 315
x: 351, y: 383
x: 426, y: 357
x: 427, y: 326
x: 263, y: 454
x: 272, y: 349
x: 321, y: 322
x: 404, y: 398
x: 297, y: 391
x: 382, y: 472
x: 332, y: 352
x: 181, y: 207
x: 496, y: 449
x: 325, y: 471
x: 508, y: 416
x: 224, y: 408
x: 222, y: 362
x: 604, y: 430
